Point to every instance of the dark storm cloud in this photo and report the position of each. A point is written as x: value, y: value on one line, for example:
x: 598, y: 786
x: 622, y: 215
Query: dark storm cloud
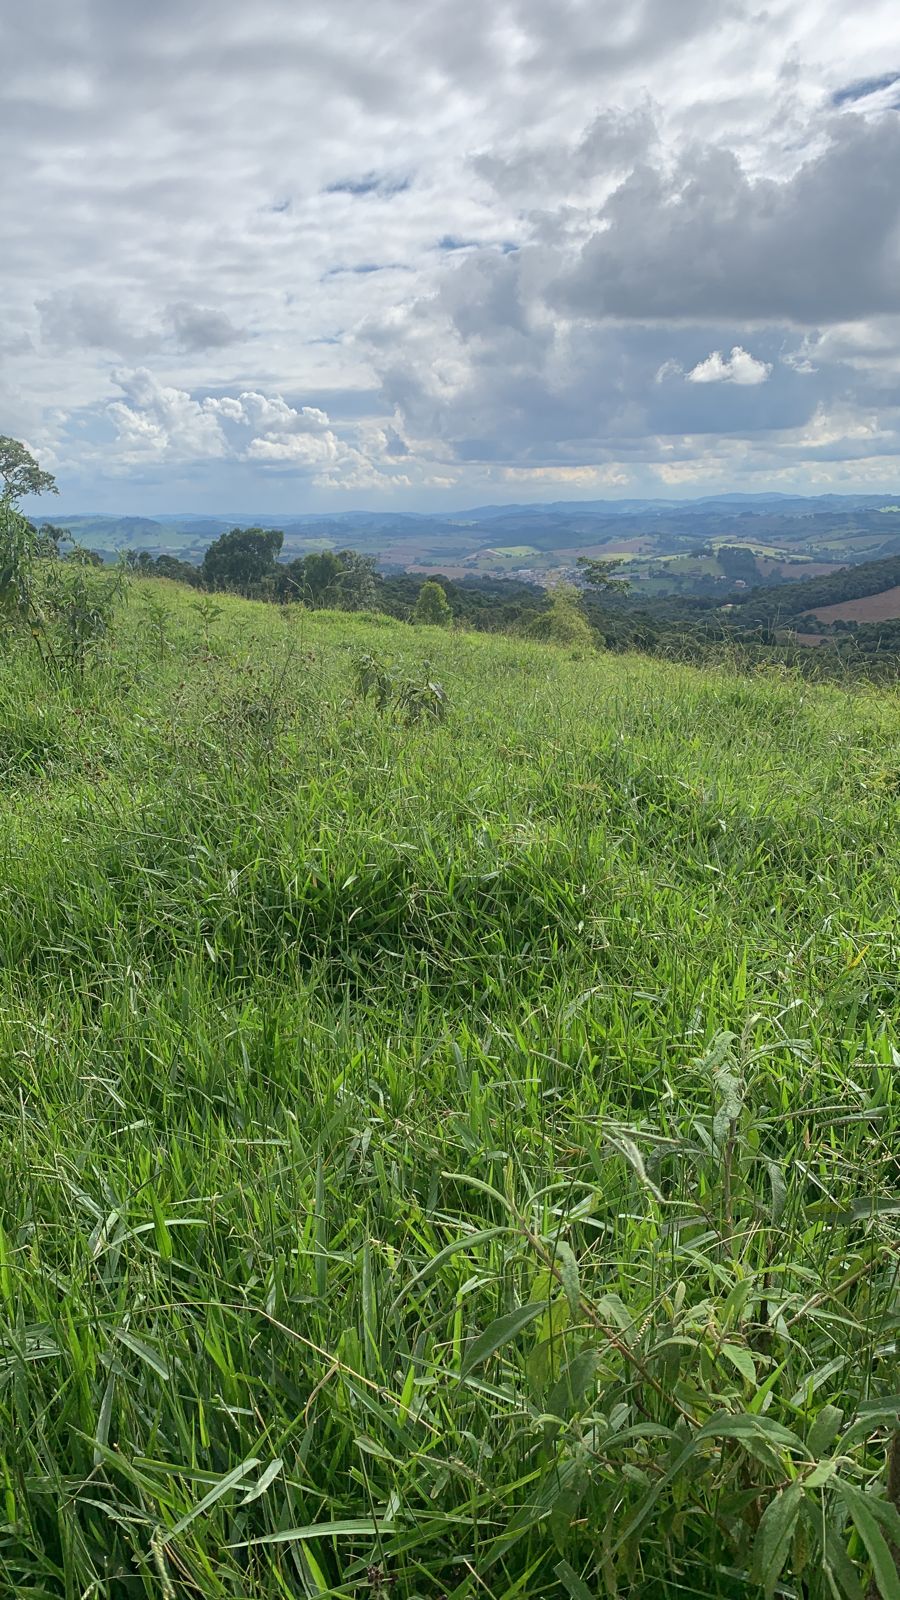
x: 604, y: 391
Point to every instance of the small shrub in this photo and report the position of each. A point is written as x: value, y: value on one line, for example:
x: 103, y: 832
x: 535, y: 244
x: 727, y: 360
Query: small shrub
x: 209, y: 612
x: 431, y: 606
x: 80, y: 602
x: 413, y: 698
x: 373, y: 680
x: 421, y: 699
x: 563, y: 623
x: 158, y: 617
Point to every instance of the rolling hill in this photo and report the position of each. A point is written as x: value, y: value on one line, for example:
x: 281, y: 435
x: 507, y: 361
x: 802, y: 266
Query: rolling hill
x: 871, y: 585
x: 669, y: 547
x: 880, y: 606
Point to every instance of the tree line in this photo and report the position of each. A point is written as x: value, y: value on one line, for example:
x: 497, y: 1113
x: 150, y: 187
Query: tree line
x: 245, y: 561
x: 63, y: 606
x: 598, y: 612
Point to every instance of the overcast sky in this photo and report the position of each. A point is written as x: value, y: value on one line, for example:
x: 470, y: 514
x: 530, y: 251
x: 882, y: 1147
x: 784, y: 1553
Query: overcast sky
x: 293, y: 254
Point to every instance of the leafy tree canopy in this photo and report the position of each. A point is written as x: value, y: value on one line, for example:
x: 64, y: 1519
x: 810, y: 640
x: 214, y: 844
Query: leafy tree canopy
x: 241, y: 558
x: 311, y: 577
x: 342, y: 578
x: 600, y: 575
x: 20, y: 472
x: 431, y: 606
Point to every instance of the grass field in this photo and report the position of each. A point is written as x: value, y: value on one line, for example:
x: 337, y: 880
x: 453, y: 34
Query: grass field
x: 444, y: 1158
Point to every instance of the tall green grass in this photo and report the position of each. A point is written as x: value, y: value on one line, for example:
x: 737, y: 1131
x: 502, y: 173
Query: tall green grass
x: 444, y: 1160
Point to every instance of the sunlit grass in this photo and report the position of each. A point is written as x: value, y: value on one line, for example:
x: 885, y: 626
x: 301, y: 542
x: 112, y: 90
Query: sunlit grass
x: 455, y: 1159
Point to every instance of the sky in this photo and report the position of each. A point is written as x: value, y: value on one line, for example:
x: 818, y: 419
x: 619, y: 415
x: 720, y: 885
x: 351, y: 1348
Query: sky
x: 326, y: 254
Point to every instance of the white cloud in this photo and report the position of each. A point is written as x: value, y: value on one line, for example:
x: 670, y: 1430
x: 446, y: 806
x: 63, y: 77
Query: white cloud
x: 434, y: 267
x: 740, y: 367
x: 303, y: 450
x: 611, y: 477
x: 162, y: 423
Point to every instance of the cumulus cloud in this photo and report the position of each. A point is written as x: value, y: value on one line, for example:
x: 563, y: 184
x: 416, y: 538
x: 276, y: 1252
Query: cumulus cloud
x: 305, y: 450
x: 272, y: 414
x: 156, y: 424
x: 162, y: 423
x: 740, y: 367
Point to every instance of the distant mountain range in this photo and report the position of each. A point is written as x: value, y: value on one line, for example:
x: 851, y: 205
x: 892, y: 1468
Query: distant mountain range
x: 796, y: 505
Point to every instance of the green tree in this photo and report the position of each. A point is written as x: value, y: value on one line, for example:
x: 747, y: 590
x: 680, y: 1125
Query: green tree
x: 23, y: 547
x: 20, y: 472
x: 322, y: 570
x: 738, y: 561
x: 167, y: 566
x: 290, y: 581
x: 343, y: 579
x: 431, y: 606
x: 84, y: 558
x: 601, y: 576
x: 356, y: 586
x: 139, y: 561
x: 313, y: 576
x: 242, y: 558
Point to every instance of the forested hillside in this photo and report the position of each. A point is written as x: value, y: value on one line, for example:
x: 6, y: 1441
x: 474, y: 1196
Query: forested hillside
x: 796, y: 599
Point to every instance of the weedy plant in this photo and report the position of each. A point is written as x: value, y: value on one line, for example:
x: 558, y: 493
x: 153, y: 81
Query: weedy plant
x: 414, y: 697
x: 24, y: 553
x: 209, y: 611
x: 79, y: 605
x: 158, y: 619
x: 373, y: 680
x: 653, y: 1405
x: 63, y: 608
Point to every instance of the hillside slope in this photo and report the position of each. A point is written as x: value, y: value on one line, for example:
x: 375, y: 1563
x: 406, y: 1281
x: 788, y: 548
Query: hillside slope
x: 881, y: 605
x: 810, y: 596
x: 444, y: 1157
